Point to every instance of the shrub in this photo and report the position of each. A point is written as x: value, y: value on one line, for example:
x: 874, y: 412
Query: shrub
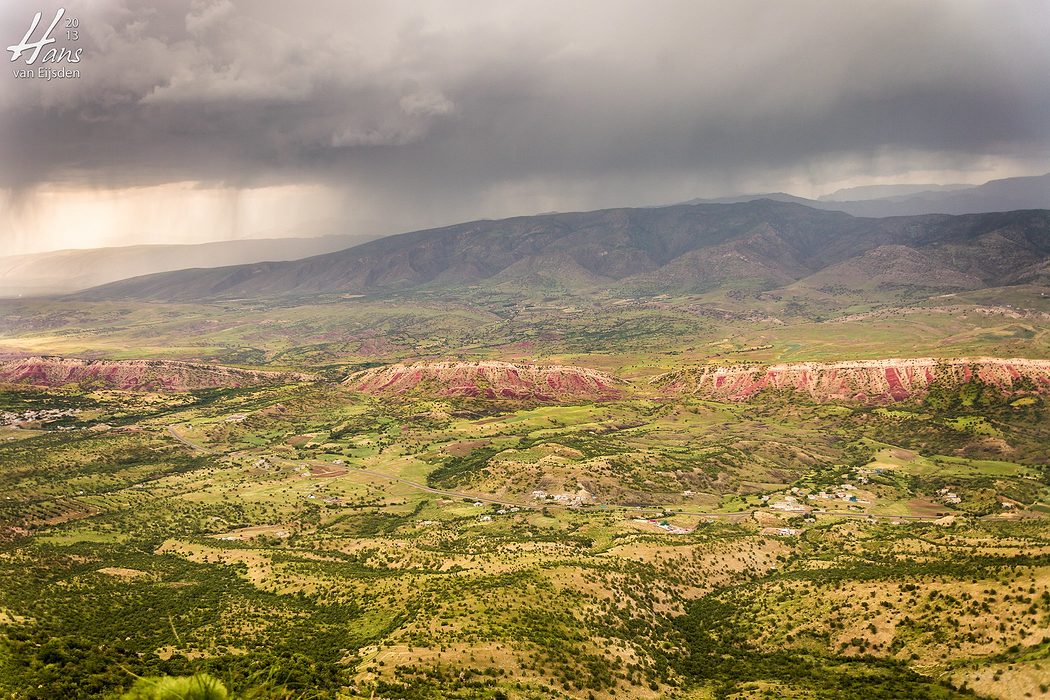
x: 199, y: 686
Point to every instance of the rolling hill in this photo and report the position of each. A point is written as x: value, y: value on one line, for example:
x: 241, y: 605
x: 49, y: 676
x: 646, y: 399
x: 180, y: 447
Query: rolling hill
x: 758, y: 245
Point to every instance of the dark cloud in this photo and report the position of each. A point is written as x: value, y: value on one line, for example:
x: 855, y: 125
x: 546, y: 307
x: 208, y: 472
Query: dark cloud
x: 442, y: 111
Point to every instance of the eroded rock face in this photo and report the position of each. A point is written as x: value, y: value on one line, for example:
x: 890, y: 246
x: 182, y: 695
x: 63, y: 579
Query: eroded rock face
x: 135, y: 375
x: 488, y: 380
x: 869, y: 381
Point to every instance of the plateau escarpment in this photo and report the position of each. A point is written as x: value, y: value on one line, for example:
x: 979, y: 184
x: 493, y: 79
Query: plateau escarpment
x: 488, y: 380
x: 135, y: 375
x: 866, y: 381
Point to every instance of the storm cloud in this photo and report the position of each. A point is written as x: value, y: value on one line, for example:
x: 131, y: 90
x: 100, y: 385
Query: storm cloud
x: 414, y: 114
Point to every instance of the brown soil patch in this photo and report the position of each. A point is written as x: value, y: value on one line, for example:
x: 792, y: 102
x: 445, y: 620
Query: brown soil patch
x: 326, y: 471
x: 464, y: 447
x: 922, y: 506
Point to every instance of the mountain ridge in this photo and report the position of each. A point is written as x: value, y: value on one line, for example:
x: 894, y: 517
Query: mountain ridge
x: 686, y: 248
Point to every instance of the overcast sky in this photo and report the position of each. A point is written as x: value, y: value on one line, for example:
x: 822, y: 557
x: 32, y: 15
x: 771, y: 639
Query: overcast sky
x: 213, y: 119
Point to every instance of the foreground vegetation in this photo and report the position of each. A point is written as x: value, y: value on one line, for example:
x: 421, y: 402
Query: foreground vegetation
x: 304, y: 540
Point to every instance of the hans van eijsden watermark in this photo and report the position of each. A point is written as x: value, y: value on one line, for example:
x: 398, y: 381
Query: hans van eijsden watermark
x: 54, y: 57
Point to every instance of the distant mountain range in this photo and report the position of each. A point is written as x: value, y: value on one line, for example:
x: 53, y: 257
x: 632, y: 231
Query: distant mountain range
x: 1009, y: 194
x: 629, y: 261
x: 761, y: 244
x: 866, y: 192
x: 64, y: 271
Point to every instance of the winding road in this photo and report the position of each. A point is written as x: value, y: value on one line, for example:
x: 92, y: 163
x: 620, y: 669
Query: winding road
x: 192, y: 445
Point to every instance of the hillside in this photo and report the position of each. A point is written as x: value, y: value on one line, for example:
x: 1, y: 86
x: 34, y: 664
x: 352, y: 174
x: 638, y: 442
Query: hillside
x: 760, y: 244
